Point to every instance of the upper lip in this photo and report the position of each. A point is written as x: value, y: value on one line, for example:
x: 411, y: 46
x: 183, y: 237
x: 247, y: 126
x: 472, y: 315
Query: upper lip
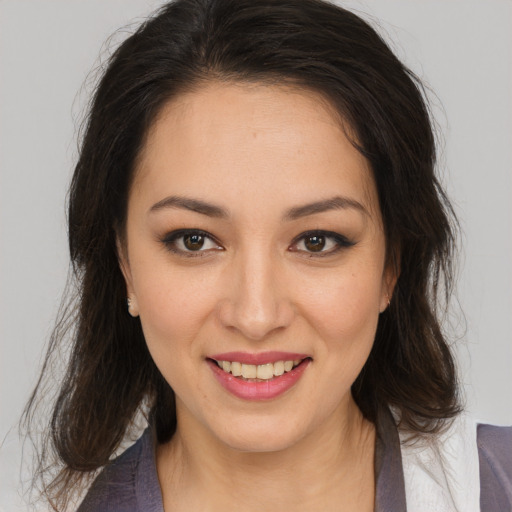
x: 259, y: 358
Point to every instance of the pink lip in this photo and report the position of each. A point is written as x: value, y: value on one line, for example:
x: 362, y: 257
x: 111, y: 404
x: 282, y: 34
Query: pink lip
x: 263, y: 390
x: 261, y: 358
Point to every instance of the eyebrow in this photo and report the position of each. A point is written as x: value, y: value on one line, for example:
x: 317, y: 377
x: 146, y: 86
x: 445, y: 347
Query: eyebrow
x: 297, y: 212
x: 333, y: 203
x: 194, y: 205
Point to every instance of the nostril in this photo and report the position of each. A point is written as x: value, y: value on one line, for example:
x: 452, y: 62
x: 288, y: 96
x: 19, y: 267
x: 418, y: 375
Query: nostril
x: 254, y: 321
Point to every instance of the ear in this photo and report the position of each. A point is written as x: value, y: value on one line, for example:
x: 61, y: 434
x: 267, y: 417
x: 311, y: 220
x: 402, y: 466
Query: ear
x: 389, y: 279
x: 124, y: 264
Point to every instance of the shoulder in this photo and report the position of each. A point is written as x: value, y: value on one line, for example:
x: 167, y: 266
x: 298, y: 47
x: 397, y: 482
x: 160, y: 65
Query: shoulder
x: 495, y: 458
x: 127, y: 484
x: 463, y: 467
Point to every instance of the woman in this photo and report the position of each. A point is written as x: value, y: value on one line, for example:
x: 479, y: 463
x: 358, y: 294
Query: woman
x: 256, y: 187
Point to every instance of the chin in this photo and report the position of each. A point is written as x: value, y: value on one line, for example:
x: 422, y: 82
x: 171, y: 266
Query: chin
x: 261, y: 435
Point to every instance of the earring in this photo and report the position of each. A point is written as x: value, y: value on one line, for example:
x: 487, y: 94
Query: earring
x: 388, y: 300
x: 131, y: 308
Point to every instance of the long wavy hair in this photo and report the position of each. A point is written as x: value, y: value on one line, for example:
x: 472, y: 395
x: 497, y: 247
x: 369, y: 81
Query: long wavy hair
x: 109, y: 374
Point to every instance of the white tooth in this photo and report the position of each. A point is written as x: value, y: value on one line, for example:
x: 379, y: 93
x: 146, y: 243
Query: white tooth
x: 265, y: 371
x: 236, y: 369
x: 278, y: 368
x: 296, y: 362
x: 249, y: 371
x: 226, y: 366
x: 288, y: 365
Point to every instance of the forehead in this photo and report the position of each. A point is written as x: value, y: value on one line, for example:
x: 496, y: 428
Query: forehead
x: 225, y: 138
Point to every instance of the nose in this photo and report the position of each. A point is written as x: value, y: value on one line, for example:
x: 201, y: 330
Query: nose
x: 257, y: 303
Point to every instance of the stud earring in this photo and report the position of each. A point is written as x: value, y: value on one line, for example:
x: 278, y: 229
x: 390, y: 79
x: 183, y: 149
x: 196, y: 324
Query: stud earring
x: 388, y: 300
x: 131, y: 307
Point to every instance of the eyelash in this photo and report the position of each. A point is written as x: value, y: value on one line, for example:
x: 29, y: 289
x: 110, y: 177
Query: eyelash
x: 171, y: 238
x: 340, y: 242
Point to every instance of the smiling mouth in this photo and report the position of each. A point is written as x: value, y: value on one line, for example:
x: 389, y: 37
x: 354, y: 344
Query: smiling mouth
x: 258, y: 372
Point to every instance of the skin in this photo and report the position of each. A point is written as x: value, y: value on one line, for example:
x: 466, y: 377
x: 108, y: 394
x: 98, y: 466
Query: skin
x: 258, y: 152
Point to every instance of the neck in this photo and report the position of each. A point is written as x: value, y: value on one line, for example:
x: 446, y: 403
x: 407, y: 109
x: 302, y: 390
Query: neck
x: 333, y: 464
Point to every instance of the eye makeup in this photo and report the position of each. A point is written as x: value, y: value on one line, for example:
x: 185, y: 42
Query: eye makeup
x: 320, y: 243
x: 190, y: 243
x: 316, y: 243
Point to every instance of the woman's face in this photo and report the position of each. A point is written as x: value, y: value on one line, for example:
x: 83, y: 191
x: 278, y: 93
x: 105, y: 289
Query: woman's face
x: 254, y: 243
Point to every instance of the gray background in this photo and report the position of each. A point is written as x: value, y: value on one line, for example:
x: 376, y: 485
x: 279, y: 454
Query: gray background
x: 462, y: 48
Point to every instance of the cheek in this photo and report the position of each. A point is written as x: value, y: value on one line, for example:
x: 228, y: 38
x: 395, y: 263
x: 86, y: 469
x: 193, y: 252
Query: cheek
x: 347, y: 306
x: 172, y: 307
x: 344, y: 313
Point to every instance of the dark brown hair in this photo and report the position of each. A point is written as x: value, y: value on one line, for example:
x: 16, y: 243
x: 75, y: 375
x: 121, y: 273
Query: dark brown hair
x: 307, y: 43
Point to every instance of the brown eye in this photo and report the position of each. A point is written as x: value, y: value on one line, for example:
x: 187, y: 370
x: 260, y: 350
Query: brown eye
x: 193, y: 242
x: 315, y: 243
x: 320, y: 243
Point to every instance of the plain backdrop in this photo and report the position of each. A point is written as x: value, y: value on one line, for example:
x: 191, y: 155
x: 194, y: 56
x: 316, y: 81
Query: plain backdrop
x: 461, y: 48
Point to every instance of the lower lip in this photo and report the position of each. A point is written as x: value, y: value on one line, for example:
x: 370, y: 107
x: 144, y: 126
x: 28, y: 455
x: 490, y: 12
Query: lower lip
x: 263, y: 390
